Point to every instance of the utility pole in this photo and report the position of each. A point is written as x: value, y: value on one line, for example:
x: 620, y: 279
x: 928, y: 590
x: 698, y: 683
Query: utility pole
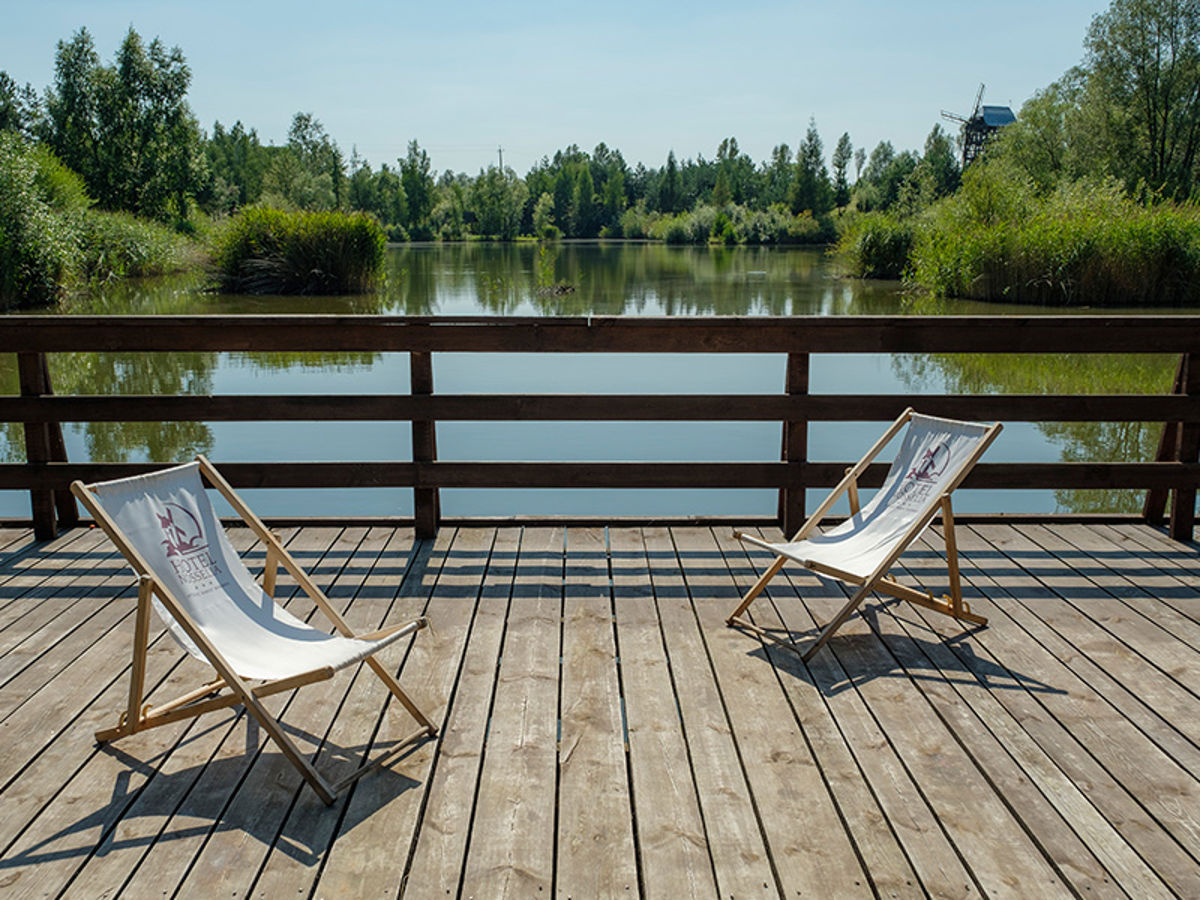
x: 500, y: 150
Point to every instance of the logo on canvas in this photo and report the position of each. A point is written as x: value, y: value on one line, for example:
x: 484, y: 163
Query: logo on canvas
x: 182, y: 534
x: 932, y: 464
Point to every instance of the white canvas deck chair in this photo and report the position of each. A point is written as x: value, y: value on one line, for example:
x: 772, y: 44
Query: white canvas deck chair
x: 166, y: 528
x: 935, y: 455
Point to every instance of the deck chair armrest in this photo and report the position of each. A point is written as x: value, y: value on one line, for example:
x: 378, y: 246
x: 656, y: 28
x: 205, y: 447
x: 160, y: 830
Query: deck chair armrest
x: 851, y: 477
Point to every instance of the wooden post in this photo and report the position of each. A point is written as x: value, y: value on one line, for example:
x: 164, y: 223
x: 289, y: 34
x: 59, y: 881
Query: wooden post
x: 1187, y: 450
x: 30, y: 369
x: 64, y: 500
x: 795, y: 447
x: 1155, y: 508
x: 426, y: 503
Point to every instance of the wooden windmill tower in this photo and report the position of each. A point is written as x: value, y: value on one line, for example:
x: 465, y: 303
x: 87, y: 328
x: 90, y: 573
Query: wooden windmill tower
x: 979, y: 127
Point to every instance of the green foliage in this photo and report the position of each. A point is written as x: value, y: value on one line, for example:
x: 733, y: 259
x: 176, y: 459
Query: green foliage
x: 1143, y: 69
x: 120, y: 245
x: 543, y: 218
x: 237, y: 162
x: 269, y: 251
x: 18, y: 106
x: 498, y: 198
x: 1085, y: 243
x: 126, y: 128
x: 876, y: 245
x: 811, y: 190
x: 842, y: 154
x: 60, y: 187
x: 418, y: 190
x: 37, y: 242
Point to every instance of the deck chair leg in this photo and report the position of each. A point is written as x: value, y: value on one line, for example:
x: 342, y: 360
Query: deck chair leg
x: 837, y: 621
x: 956, y: 600
x: 129, y: 720
x: 396, y: 691
x: 756, y: 589
x: 272, y: 727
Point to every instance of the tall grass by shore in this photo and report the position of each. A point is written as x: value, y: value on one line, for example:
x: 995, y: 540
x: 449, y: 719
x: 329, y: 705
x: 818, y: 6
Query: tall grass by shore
x: 997, y: 239
x: 269, y: 251
x: 53, y: 242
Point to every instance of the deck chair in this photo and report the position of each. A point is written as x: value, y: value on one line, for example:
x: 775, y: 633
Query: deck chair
x: 935, y: 455
x: 166, y: 528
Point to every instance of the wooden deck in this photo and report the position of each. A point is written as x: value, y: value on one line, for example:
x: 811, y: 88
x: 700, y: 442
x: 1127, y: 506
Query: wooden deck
x: 604, y: 734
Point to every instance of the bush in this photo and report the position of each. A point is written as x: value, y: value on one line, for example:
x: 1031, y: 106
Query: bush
x: 1084, y: 243
x: 37, y: 243
x: 120, y: 245
x: 269, y: 251
x: 876, y: 245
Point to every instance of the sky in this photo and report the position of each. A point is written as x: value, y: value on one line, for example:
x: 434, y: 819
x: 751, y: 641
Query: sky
x: 467, y: 79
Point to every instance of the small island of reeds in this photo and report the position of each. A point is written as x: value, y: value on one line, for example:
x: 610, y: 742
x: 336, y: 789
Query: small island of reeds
x: 270, y: 251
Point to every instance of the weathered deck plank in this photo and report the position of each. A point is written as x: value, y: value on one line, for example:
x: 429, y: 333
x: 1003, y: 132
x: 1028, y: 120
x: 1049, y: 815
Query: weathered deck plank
x: 670, y: 832
x: 595, y: 856
x: 1053, y: 752
x: 436, y: 867
x: 511, y: 851
x: 737, y: 847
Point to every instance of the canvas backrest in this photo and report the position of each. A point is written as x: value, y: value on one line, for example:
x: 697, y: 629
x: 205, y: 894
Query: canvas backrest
x: 169, y: 520
x: 931, y: 460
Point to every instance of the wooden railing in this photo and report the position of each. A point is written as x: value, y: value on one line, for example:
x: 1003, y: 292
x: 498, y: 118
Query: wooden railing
x: 47, y: 472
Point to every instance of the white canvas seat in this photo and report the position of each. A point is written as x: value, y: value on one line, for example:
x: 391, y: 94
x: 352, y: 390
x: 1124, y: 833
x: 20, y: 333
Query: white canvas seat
x: 934, y: 457
x: 166, y: 527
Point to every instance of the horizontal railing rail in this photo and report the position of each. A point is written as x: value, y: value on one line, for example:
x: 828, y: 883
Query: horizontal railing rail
x: 610, y: 334
x: 47, y: 471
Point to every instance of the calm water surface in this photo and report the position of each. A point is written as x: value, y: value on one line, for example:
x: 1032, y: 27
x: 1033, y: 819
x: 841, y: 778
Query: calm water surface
x: 576, y: 279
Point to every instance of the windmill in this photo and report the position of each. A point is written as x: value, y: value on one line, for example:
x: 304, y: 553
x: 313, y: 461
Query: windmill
x: 979, y: 126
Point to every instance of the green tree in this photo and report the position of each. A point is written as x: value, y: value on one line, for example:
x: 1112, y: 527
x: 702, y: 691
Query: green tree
x: 127, y: 128
x: 319, y: 154
x: 811, y: 189
x: 842, y: 155
x: 498, y: 196
x: 418, y: 190
x: 543, y: 217
x: 19, y: 106
x: 1143, y: 81
x: 449, y: 216
x: 237, y: 162
x: 670, y: 189
x: 585, y: 208
x: 940, y: 163
x: 777, y: 181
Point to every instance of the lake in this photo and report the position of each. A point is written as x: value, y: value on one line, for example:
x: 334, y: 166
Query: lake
x: 578, y: 279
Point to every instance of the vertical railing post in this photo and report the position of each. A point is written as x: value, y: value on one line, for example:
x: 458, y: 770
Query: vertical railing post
x: 30, y: 371
x: 1187, y: 450
x: 426, y: 503
x: 795, y: 448
x: 64, y: 500
x: 1155, y: 508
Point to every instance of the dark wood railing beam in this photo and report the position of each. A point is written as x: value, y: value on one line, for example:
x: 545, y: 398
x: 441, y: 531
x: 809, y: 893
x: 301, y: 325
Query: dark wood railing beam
x: 464, y: 474
x: 608, y: 334
x: 604, y: 407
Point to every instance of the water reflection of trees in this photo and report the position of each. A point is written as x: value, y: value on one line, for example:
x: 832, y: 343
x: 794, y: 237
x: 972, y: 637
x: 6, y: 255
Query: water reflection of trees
x: 111, y: 373
x: 1081, y: 374
x: 565, y: 279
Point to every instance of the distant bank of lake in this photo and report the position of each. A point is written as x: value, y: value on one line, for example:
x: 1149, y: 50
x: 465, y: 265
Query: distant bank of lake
x: 577, y: 279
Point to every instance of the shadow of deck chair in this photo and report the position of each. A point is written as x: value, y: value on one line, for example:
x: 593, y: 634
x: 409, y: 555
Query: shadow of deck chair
x: 166, y: 528
x: 935, y: 455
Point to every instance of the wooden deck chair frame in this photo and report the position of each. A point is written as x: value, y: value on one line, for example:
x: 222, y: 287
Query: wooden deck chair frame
x: 210, y: 696
x: 951, y: 605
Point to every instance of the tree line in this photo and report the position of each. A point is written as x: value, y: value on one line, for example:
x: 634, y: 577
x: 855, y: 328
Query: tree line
x: 128, y: 131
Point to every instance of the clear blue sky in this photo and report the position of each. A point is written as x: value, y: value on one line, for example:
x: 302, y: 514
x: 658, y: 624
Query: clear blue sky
x: 464, y: 78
